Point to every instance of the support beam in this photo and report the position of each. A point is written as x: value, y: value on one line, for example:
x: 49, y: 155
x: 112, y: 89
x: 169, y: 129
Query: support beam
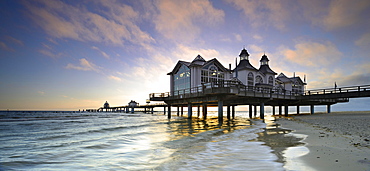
x: 228, y: 112
x: 164, y: 110
x: 169, y: 112
x: 280, y: 110
x: 286, y: 110
x: 250, y: 111
x: 178, y: 110
x: 132, y: 110
x: 262, y: 110
x: 328, y: 108
x: 255, y: 110
x: 220, y: 110
x: 152, y: 110
x: 182, y: 110
x: 204, y: 110
x: 312, y: 109
x: 273, y: 110
x: 198, y: 111
x: 190, y: 111
x: 298, y: 110
x: 233, y: 111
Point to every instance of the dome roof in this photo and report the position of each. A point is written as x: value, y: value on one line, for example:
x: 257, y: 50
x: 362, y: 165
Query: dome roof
x: 264, y: 58
x: 244, y: 52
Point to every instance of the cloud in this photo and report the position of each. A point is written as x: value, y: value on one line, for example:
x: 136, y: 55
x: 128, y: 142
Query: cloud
x: 85, y: 65
x: 343, y: 13
x: 61, y: 20
x: 188, y: 53
x: 336, y: 14
x: 14, y: 40
x: 257, y: 37
x: 114, y: 78
x: 238, y: 37
x: 6, y: 47
x: 41, y: 93
x: 47, y: 52
x: 312, y: 54
x: 273, y: 13
x: 101, y: 52
x: 364, y: 40
x: 180, y: 20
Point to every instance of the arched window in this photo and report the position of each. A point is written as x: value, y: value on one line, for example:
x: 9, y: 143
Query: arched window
x: 250, y: 79
x: 211, y: 74
x: 271, y: 80
x: 259, y: 79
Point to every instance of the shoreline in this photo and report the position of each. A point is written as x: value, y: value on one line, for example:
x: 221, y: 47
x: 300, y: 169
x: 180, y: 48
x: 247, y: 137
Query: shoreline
x: 335, y: 141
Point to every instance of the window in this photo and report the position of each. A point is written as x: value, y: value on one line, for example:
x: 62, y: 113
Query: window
x: 182, y: 78
x: 211, y: 74
x: 259, y: 80
x: 271, y: 80
x: 250, y: 79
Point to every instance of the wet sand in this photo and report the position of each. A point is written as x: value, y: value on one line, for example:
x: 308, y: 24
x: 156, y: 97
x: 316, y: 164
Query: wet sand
x: 335, y: 141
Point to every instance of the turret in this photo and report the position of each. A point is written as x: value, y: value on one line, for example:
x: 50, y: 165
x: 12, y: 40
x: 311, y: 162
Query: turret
x: 264, y: 60
x: 244, y: 55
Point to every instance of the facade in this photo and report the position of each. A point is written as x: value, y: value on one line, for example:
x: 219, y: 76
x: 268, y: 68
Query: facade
x: 294, y: 84
x: 263, y: 77
x: 186, y: 75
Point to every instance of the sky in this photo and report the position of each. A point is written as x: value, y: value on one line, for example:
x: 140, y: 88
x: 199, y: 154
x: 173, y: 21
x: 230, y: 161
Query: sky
x: 70, y: 55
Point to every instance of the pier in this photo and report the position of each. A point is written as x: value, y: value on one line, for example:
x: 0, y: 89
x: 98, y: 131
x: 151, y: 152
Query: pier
x: 148, y: 108
x: 232, y: 93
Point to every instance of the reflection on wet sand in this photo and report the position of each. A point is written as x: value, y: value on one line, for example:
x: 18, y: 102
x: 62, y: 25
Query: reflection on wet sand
x: 278, y: 138
x: 190, y: 127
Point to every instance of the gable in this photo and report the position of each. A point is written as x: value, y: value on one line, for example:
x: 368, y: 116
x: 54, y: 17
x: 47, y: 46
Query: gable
x: 216, y: 63
x: 178, y: 66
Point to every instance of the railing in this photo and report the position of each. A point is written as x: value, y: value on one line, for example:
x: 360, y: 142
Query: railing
x: 338, y: 90
x: 228, y: 87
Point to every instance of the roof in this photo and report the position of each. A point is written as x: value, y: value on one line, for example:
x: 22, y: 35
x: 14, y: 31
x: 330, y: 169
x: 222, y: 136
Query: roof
x: 266, y: 69
x: 216, y: 63
x: 198, y: 61
x: 282, y: 78
x: 245, y: 65
x: 244, y: 52
x: 199, y: 58
x: 297, y: 79
x: 178, y: 65
x: 264, y: 57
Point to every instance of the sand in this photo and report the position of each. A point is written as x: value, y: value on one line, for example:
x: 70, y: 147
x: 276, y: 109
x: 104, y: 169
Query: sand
x: 335, y: 141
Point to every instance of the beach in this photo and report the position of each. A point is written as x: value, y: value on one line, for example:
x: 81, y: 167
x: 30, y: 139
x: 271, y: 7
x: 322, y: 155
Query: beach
x: 335, y: 141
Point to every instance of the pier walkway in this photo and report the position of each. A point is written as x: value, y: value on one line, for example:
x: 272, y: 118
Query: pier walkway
x: 231, y: 94
x: 148, y: 108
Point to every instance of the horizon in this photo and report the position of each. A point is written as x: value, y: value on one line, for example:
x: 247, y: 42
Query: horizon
x: 61, y: 54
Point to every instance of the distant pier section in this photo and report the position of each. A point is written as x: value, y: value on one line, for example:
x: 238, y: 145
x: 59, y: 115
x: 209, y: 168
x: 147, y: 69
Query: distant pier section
x: 132, y: 107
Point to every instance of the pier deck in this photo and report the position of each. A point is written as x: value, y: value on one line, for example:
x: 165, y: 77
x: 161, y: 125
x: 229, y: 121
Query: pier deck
x: 231, y: 94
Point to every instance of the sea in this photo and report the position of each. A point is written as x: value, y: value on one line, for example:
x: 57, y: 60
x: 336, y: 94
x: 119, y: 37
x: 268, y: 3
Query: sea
x: 122, y: 141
